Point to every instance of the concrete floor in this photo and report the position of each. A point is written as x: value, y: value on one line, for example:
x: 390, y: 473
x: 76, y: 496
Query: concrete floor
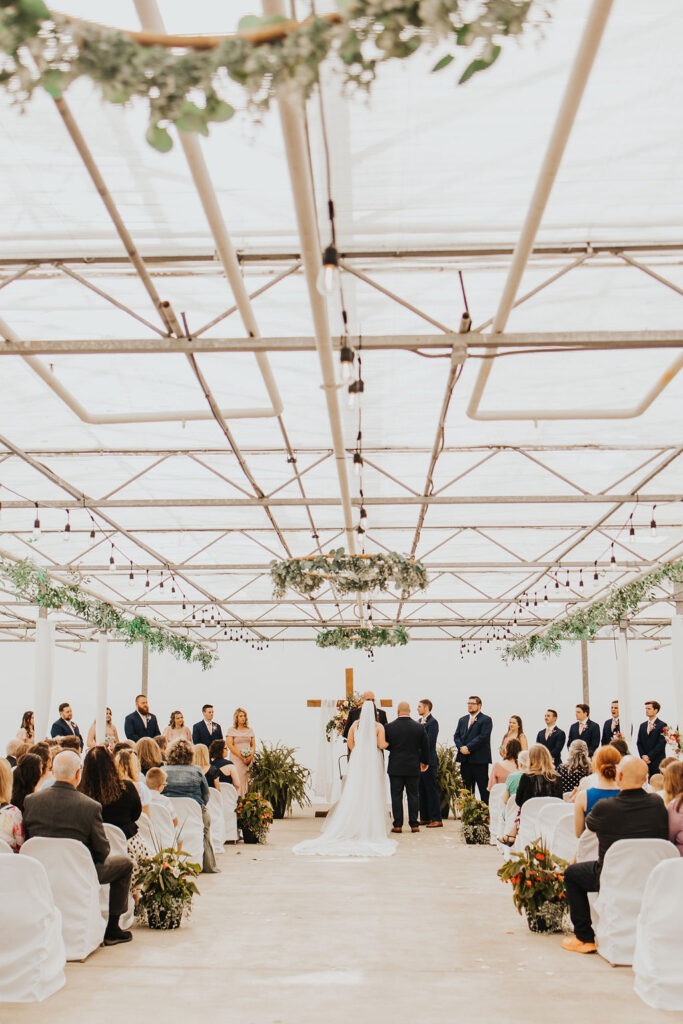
x: 427, y: 935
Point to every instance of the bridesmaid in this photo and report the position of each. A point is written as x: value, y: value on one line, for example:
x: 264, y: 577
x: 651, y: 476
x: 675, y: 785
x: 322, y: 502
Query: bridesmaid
x: 515, y: 732
x: 242, y: 745
x: 176, y: 729
x: 25, y: 732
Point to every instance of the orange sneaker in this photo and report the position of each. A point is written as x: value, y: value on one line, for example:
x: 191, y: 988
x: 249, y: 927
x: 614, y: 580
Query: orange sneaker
x: 575, y: 945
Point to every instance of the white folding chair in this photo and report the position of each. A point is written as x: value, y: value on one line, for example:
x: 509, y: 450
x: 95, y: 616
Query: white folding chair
x: 587, y: 847
x: 190, y: 827
x: 625, y: 871
x: 564, y: 841
x: 217, y: 820
x: 548, y: 818
x: 118, y: 847
x: 528, y: 820
x: 32, y: 955
x: 162, y: 827
x: 229, y: 798
x: 5, y: 847
x: 76, y: 891
x: 496, y: 806
x: 659, y: 939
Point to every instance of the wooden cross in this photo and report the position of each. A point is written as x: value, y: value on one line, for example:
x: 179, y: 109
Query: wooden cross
x: 349, y: 693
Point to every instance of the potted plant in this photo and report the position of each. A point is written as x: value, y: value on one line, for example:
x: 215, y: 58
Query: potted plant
x: 254, y: 817
x: 537, y: 879
x: 475, y: 818
x: 166, y: 884
x: 277, y: 776
x: 448, y: 778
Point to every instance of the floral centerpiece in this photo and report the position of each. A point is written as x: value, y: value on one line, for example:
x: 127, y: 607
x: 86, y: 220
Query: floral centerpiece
x: 537, y: 879
x: 254, y: 817
x: 166, y: 883
x: 475, y: 818
x: 335, y: 726
x: 673, y: 738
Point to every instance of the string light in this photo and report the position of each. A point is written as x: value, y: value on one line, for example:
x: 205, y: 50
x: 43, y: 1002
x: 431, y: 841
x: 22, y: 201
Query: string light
x: 357, y: 462
x: 66, y: 536
x: 613, y: 559
x: 580, y: 577
x: 36, y: 525
x: 595, y: 569
x: 346, y: 358
x: 356, y: 390
x: 112, y: 561
x: 147, y: 579
x: 632, y: 529
x: 328, y: 276
x: 653, y: 524
x: 131, y: 576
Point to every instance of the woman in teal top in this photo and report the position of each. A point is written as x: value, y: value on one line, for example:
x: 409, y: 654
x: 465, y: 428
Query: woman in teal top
x: 605, y: 764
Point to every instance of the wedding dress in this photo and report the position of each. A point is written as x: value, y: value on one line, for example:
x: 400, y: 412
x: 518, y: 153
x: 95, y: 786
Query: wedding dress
x: 357, y: 825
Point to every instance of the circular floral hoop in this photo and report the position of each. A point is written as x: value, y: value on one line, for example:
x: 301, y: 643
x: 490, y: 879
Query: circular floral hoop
x: 362, y: 638
x: 265, y: 54
x: 348, y: 574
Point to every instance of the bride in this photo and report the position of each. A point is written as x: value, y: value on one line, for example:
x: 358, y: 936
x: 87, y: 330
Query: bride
x: 357, y: 825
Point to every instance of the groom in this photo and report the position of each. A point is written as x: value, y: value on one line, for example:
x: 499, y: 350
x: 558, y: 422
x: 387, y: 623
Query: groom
x: 408, y: 756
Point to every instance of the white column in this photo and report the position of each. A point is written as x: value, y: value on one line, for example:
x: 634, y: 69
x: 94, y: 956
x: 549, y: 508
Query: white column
x: 102, y: 680
x: 44, y: 664
x: 624, y: 690
x: 677, y: 656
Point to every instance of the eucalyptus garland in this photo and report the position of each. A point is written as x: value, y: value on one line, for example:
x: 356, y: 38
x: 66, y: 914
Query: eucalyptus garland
x: 46, y: 49
x: 586, y: 622
x: 362, y: 638
x: 32, y: 583
x: 348, y: 574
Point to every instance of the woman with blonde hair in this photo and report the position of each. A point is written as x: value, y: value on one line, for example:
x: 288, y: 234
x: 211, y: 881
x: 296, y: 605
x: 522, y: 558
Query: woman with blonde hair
x: 11, y: 822
x: 673, y: 797
x: 241, y: 742
x: 605, y: 763
x: 200, y: 757
x: 128, y: 767
x: 176, y: 729
x: 148, y: 753
x: 539, y: 779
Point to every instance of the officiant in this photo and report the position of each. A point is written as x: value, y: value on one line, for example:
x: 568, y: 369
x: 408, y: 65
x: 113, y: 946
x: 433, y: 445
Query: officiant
x: 354, y: 713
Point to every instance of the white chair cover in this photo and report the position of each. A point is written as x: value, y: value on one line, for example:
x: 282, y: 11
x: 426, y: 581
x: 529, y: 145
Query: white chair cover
x: 626, y: 869
x: 76, y: 891
x: 229, y: 798
x: 548, y: 818
x: 217, y: 820
x: 5, y: 847
x: 118, y: 847
x: 190, y: 827
x: 528, y: 820
x: 587, y: 847
x: 32, y: 955
x: 496, y: 806
x: 162, y: 828
x: 659, y: 938
x: 563, y: 841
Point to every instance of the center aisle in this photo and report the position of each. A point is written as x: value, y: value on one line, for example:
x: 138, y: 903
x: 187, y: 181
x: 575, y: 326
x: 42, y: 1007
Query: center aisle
x: 427, y: 935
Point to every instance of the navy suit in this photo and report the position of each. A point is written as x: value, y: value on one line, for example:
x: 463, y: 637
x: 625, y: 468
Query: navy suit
x: 201, y: 734
x: 652, y: 745
x: 474, y: 767
x: 554, y: 743
x: 62, y: 728
x: 430, y: 798
x: 590, y: 735
x: 135, y: 728
x: 408, y: 749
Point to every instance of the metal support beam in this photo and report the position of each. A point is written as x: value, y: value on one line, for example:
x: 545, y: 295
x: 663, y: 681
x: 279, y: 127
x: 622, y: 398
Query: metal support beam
x: 584, y: 673
x: 144, y: 682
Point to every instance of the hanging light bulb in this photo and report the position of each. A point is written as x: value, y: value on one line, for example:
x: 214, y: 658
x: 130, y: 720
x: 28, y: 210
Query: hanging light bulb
x: 653, y: 524
x: 360, y: 528
x: 184, y: 606
x: 131, y: 576
x: 595, y: 569
x: 35, y: 535
x: 112, y: 562
x: 172, y: 585
x: 92, y: 529
x: 545, y: 593
x: 363, y: 514
x: 66, y: 535
x: 346, y: 357
x: 557, y: 583
x: 161, y: 582
x: 356, y: 389
x: 580, y: 577
x: 632, y: 530
x: 535, y: 600
x: 357, y: 462
x: 613, y: 559
x: 328, y: 276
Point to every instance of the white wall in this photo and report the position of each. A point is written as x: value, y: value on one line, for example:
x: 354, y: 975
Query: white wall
x: 273, y: 685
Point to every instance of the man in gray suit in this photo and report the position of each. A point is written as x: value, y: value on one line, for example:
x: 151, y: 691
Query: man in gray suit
x: 61, y: 812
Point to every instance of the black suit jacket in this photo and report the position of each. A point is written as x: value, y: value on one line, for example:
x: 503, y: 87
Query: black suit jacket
x: 408, y: 746
x: 607, y: 734
x: 61, y: 812
x: 554, y: 743
x: 590, y: 735
x: 477, y: 739
x: 431, y: 727
x: 654, y: 745
x: 200, y: 733
x: 61, y: 728
x: 354, y: 715
x: 135, y: 728
x: 632, y: 814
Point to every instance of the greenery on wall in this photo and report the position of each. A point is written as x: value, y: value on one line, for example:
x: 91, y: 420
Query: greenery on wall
x: 584, y: 623
x: 187, y: 84
x: 348, y: 574
x: 34, y: 585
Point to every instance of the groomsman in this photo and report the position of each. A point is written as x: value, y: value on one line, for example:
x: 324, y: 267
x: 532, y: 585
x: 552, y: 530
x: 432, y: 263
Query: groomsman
x: 140, y: 722
x: 207, y: 730
x: 430, y: 798
x: 472, y: 739
x: 651, y: 739
x: 611, y: 726
x: 552, y: 737
x: 584, y: 729
x: 65, y: 726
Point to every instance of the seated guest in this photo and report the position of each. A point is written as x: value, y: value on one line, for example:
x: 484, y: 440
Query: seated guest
x: 119, y: 798
x: 200, y: 757
x: 12, y: 748
x: 593, y: 780
x: 651, y: 741
x: 11, y: 826
x: 162, y: 743
x: 65, y: 725
x: 186, y: 779
x: 63, y: 813
x: 511, y: 784
x: 70, y: 743
x: 25, y: 778
x: 122, y: 745
x: 605, y: 764
x: 577, y: 766
x: 502, y: 769
x: 632, y: 814
x: 515, y: 731
x: 663, y: 765
x: 539, y: 779
x: 221, y: 769
x: 45, y: 753
x: 620, y: 744
x: 26, y: 733
x: 552, y: 737
x: 584, y: 729
x: 149, y: 754
x: 141, y: 722
x: 129, y: 770
x: 156, y: 780
x: 111, y: 736
x: 611, y: 728
x: 657, y: 784
x: 673, y: 797
x: 206, y: 730
x: 176, y: 729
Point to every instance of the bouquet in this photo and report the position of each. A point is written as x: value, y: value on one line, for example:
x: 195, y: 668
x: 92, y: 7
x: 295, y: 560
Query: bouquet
x: 338, y: 721
x: 673, y: 738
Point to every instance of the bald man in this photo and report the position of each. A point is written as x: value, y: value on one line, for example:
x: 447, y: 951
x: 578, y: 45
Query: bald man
x: 354, y: 714
x: 408, y: 758
x: 633, y: 814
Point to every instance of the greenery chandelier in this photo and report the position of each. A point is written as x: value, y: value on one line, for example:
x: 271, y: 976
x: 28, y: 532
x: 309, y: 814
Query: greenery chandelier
x: 348, y: 574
